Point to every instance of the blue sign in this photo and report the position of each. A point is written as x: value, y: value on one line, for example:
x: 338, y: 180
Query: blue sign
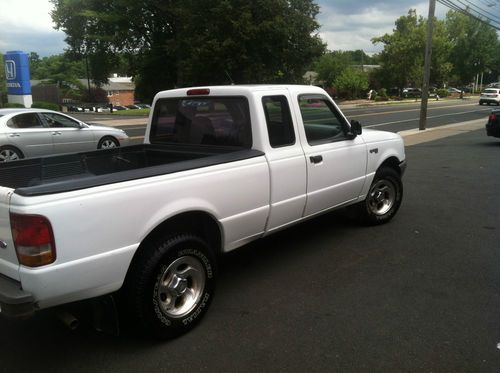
x: 17, y: 73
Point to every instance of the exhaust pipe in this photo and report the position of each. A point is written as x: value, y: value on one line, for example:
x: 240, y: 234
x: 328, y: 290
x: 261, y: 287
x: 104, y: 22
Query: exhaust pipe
x: 68, y: 319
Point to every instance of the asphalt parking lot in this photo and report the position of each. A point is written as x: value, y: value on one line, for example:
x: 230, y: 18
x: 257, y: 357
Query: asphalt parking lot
x: 418, y: 294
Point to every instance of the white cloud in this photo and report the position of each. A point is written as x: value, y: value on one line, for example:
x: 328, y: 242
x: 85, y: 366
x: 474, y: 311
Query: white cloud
x: 26, y: 14
x: 26, y: 25
x: 350, y: 25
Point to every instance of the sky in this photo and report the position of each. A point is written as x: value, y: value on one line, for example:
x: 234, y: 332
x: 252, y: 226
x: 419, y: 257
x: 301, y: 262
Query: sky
x: 345, y: 24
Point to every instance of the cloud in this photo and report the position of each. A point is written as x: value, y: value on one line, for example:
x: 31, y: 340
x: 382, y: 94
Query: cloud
x: 350, y: 25
x: 27, y: 26
x: 45, y: 43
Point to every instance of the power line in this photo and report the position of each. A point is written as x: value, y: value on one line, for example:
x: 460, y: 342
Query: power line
x: 477, y: 11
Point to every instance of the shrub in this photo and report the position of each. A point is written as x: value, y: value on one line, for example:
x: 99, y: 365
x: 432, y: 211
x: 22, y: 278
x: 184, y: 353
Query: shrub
x: 45, y: 105
x: 381, y: 98
x: 12, y: 105
x: 382, y: 93
x: 442, y: 92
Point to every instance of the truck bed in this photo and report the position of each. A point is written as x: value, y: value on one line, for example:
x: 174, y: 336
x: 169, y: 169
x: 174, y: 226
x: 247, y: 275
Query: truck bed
x: 62, y: 173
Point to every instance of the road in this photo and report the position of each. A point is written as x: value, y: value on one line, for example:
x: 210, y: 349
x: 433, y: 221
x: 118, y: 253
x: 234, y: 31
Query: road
x: 401, y: 117
x: 421, y: 293
x: 393, y: 117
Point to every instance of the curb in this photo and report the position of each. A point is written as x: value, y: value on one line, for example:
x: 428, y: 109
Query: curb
x: 415, y: 136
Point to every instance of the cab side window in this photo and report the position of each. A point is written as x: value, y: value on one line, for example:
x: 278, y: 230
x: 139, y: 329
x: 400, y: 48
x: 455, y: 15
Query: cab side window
x: 279, y: 121
x: 59, y: 121
x: 322, y: 122
x: 26, y: 120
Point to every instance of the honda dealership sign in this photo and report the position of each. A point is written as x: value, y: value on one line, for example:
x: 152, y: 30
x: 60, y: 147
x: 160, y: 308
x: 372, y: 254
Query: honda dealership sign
x: 17, y: 75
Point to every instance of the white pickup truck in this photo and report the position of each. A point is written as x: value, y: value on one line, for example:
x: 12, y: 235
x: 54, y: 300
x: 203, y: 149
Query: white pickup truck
x: 221, y: 166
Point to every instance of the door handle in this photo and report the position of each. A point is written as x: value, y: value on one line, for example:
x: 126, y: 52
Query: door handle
x: 14, y: 135
x: 56, y: 133
x: 316, y: 159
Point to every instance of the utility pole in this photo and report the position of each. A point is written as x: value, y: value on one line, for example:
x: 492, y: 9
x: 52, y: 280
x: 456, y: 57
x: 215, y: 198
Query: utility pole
x: 427, y: 66
x: 88, y: 75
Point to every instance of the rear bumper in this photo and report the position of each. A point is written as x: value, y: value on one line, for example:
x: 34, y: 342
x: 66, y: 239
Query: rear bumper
x: 493, y: 130
x: 486, y: 100
x: 14, y: 301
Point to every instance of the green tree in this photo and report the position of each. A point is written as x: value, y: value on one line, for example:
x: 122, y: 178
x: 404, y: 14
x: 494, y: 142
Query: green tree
x: 475, y: 46
x: 3, y: 83
x: 57, y: 69
x: 180, y: 43
x: 351, y: 83
x: 403, y: 55
x: 331, y: 65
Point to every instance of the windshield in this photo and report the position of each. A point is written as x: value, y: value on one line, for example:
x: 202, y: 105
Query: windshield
x: 490, y: 91
x: 220, y: 121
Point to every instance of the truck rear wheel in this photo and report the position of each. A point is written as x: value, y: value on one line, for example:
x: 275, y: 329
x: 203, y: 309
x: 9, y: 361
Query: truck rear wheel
x: 171, y: 285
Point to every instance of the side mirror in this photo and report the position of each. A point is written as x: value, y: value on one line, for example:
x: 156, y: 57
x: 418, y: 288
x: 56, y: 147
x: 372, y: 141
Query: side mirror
x: 355, y: 129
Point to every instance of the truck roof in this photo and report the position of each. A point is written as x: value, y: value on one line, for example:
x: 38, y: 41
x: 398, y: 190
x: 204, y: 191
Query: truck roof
x: 239, y: 89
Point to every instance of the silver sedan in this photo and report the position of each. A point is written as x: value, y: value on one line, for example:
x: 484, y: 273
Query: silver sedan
x: 27, y: 133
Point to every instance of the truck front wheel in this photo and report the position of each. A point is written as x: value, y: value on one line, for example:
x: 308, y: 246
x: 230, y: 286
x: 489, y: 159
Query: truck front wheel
x: 383, y: 199
x: 171, y: 285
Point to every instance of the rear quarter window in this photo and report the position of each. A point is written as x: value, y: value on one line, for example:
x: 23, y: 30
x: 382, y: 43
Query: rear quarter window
x: 219, y: 121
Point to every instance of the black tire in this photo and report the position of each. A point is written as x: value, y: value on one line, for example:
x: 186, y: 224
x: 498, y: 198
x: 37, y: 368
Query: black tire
x: 10, y: 153
x: 108, y: 142
x: 170, y: 285
x: 383, y: 199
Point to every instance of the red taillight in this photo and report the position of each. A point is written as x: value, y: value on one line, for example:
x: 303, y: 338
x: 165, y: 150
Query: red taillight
x: 198, y: 92
x: 34, y: 239
x: 493, y: 117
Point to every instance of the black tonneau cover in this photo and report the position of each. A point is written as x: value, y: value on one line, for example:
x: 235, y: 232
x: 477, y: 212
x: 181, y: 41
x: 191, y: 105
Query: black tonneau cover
x: 63, y: 173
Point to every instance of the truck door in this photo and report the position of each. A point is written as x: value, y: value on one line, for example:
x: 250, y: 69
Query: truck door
x: 336, y: 163
x: 286, y: 162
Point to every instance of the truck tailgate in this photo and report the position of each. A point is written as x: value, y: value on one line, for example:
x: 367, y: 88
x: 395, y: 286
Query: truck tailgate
x: 9, y: 265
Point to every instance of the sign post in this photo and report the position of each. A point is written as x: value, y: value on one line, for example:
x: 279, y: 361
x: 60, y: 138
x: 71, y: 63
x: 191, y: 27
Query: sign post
x: 17, y: 75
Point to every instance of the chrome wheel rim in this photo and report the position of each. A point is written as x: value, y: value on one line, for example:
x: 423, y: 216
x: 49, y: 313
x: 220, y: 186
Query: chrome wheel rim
x: 107, y: 144
x: 180, y: 286
x: 381, y: 197
x: 7, y: 155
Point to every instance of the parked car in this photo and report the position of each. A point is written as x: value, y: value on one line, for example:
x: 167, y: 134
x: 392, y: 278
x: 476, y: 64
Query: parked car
x: 120, y: 107
x: 76, y: 109
x: 26, y: 133
x: 412, y: 92
x: 144, y: 106
x: 490, y: 96
x: 103, y: 109
x: 133, y: 107
x: 465, y: 89
x: 493, y: 125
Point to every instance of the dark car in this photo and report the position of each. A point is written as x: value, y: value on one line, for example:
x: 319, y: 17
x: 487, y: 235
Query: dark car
x: 493, y: 125
x: 120, y: 107
x: 412, y: 93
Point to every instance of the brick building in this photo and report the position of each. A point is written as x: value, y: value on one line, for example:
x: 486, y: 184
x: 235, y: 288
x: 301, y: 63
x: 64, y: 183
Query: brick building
x: 120, y: 91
